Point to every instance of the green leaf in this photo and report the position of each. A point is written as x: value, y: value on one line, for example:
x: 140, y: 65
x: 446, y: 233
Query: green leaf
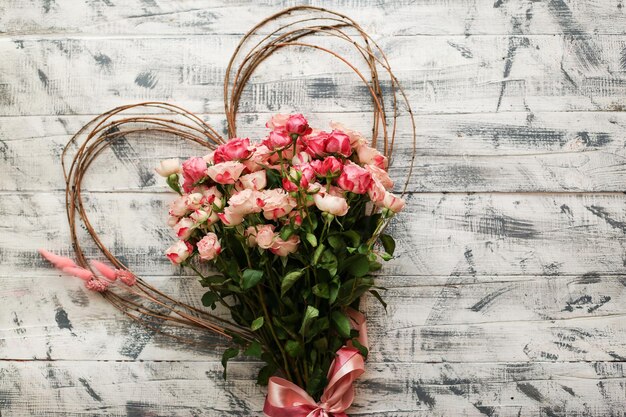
x: 328, y: 261
x: 310, y: 237
x: 254, y: 350
x: 286, y: 232
x: 317, y: 254
x: 212, y: 280
x: 209, y: 298
x: 322, y: 290
x: 336, y: 242
x: 289, y: 280
x: 293, y: 348
x: 251, y: 277
x: 341, y: 322
x: 172, y: 181
x: 265, y: 373
x: 354, y: 236
x: 310, y: 314
x: 377, y: 295
x: 388, y: 243
x: 358, y: 265
x: 228, y: 354
x: 257, y: 323
x: 362, y: 349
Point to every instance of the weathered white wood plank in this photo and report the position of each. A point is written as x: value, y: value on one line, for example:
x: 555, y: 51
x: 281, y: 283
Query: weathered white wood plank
x: 501, y: 73
x: 478, y: 152
x: 504, y: 319
x: 432, y: 17
x: 73, y: 389
x: 438, y: 234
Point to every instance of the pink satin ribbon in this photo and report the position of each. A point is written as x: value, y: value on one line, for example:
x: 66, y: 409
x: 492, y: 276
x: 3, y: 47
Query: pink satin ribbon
x: 286, y: 399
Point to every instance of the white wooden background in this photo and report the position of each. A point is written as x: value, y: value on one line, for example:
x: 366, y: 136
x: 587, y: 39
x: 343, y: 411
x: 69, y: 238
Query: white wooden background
x: 508, y: 295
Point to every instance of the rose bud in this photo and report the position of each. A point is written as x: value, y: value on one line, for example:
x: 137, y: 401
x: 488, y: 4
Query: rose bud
x: 179, y: 252
x: 209, y: 247
x: 265, y: 236
x: 234, y: 149
x: 168, y: 167
x: 277, y: 122
x: 225, y: 172
x: 298, y: 125
x: 337, y: 206
x: 338, y: 143
x: 371, y: 156
x: 354, y: 178
x: 393, y: 203
x: 376, y: 191
x: 184, y: 228
x: 285, y: 247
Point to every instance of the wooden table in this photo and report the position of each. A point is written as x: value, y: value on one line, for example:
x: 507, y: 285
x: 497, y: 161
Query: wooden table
x: 508, y: 294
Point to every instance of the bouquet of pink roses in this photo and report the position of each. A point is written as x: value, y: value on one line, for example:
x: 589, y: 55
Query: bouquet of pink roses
x: 291, y: 224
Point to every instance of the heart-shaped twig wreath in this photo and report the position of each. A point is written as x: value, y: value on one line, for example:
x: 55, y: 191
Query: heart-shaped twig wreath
x: 293, y: 224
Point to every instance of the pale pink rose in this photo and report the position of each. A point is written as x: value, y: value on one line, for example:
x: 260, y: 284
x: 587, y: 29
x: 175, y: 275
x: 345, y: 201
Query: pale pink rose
x: 278, y: 140
x: 300, y: 158
x: 209, y: 247
x: 297, y: 124
x: 262, y: 236
x: 338, y: 143
x: 328, y: 203
x: 194, y: 169
x: 235, y: 149
x: 277, y: 122
x: 184, y: 228
x: 381, y: 175
x: 201, y: 216
x: 393, y: 203
x: 285, y: 247
x: 276, y: 203
x: 371, y: 156
x: 168, y: 167
x: 178, y: 207
x: 356, y: 139
x: 193, y: 201
x: 315, y: 145
x: 254, y: 181
x: 210, y: 194
x: 225, y: 172
x: 376, y: 191
x: 354, y: 178
x: 172, y: 220
x: 229, y: 218
x: 244, y: 202
x: 260, y: 156
x: 327, y: 167
x: 209, y: 158
x: 179, y: 251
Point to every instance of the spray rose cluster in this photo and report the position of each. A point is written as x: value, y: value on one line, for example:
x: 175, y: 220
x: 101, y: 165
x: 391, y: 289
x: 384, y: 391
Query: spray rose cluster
x: 292, y: 224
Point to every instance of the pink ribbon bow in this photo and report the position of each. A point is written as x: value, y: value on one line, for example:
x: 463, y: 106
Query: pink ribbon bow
x: 286, y: 399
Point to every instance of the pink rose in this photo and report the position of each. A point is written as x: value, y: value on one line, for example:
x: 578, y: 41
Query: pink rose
x: 234, y: 149
x: 297, y: 124
x: 327, y: 167
x: 168, y: 167
x: 262, y: 236
x: 328, y: 203
x: 208, y: 158
x: 172, y: 220
x: 356, y: 139
x: 381, y: 175
x: 393, y: 203
x: 201, y: 216
x: 300, y: 158
x: 259, y: 157
x: 225, y: 172
x: 194, y: 169
x: 354, y: 178
x: 315, y: 145
x: 209, y: 247
x: 193, y: 201
x: 178, y: 207
x: 230, y: 218
x: 338, y: 143
x: 285, y: 247
x: 179, y: 251
x: 254, y: 181
x: 277, y: 122
x: 376, y: 191
x: 278, y: 140
x: 244, y: 202
x: 184, y: 228
x: 371, y: 156
x: 276, y: 203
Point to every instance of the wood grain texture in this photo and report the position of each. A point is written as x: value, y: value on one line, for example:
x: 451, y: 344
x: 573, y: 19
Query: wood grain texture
x: 508, y: 293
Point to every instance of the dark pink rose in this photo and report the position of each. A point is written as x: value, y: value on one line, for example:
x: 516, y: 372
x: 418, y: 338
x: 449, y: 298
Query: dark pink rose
x: 338, y: 143
x: 354, y: 178
x: 329, y: 166
x: 234, y: 149
x: 297, y: 124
